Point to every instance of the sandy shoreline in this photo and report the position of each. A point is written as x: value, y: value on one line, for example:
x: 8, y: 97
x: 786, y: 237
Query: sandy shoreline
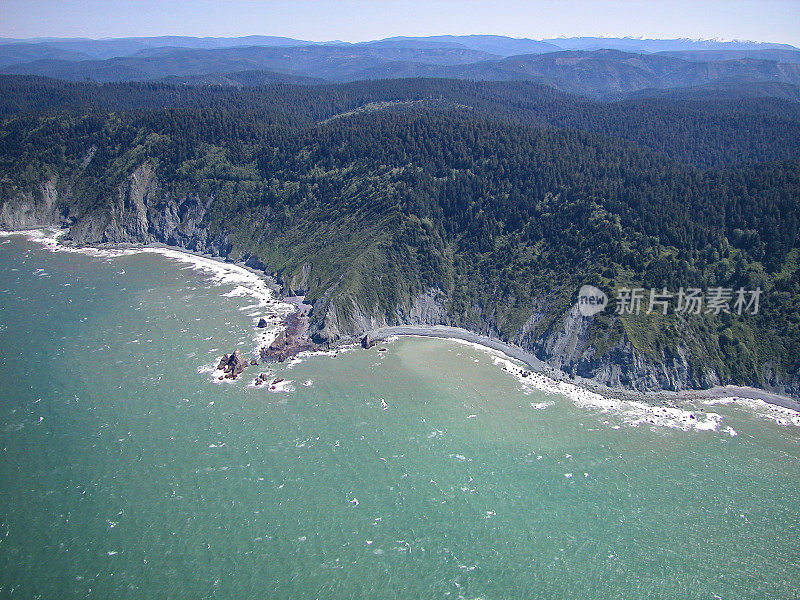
x: 515, y: 352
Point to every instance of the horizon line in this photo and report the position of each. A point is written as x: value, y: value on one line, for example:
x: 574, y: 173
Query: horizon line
x: 722, y: 40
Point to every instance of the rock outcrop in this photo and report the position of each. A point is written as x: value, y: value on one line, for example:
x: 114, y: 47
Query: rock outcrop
x: 232, y: 365
x: 262, y: 379
x: 291, y: 341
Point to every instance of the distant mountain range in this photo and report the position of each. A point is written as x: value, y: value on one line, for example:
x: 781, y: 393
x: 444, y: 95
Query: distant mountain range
x: 596, y: 67
x: 84, y: 48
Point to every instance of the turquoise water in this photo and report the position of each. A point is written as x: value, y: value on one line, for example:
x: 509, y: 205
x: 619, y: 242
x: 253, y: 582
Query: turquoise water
x: 126, y: 473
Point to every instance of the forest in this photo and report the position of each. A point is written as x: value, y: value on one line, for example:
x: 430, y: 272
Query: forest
x: 500, y: 199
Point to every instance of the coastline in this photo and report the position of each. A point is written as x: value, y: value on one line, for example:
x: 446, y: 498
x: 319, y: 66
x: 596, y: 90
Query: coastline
x: 538, y: 366
x: 246, y: 281
x: 266, y: 293
x: 119, y: 249
x: 212, y: 263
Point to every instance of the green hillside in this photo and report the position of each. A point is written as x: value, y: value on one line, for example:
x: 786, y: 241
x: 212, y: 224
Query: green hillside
x: 496, y: 201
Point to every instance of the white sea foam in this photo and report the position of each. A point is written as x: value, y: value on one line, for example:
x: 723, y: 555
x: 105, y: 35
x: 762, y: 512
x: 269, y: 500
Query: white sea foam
x: 281, y: 386
x: 246, y: 283
x: 301, y: 356
x: 776, y: 414
x: 632, y: 413
x: 237, y: 292
x: 541, y: 405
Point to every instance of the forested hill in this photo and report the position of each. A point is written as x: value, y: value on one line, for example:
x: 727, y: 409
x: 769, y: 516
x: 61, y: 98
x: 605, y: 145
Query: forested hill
x: 481, y: 205
x: 719, y: 128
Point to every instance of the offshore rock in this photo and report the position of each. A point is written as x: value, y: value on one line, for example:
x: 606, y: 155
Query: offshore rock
x: 233, y: 365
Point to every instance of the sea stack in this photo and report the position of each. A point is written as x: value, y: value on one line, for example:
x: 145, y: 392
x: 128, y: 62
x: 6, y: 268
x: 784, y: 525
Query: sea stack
x: 233, y: 365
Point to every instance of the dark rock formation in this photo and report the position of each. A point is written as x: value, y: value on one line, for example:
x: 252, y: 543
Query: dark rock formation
x: 233, y: 365
x: 291, y: 341
x: 367, y: 342
x: 262, y: 323
x: 262, y: 378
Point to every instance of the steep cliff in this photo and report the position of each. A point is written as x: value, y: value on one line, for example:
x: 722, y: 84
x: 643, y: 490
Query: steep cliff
x: 440, y: 218
x: 141, y: 213
x: 32, y: 209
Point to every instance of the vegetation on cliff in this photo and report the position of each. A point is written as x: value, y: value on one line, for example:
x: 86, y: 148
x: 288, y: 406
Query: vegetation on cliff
x: 497, y: 200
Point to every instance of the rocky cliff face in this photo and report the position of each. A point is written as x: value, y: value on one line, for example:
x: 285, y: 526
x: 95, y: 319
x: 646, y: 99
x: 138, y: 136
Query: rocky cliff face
x: 331, y: 323
x: 786, y: 384
x: 140, y: 213
x: 567, y: 346
x: 31, y: 210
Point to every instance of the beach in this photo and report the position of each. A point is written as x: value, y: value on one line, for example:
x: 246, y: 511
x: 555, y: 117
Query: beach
x: 540, y: 367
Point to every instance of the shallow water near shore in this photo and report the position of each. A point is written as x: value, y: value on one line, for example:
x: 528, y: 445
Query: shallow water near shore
x: 423, y: 471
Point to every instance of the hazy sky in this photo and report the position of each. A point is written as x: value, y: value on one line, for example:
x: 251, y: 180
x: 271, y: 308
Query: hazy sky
x: 359, y: 20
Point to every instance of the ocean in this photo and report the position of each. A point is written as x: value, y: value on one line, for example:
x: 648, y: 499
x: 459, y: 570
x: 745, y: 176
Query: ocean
x: 421, y: 468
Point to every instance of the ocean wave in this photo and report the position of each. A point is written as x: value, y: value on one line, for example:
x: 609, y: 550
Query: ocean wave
x: 245, y: 283
x: 765, y: 410
x: 631, y: 412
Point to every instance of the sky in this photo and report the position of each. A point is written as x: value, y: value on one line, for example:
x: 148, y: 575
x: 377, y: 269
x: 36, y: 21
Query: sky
x: 361, y: 20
